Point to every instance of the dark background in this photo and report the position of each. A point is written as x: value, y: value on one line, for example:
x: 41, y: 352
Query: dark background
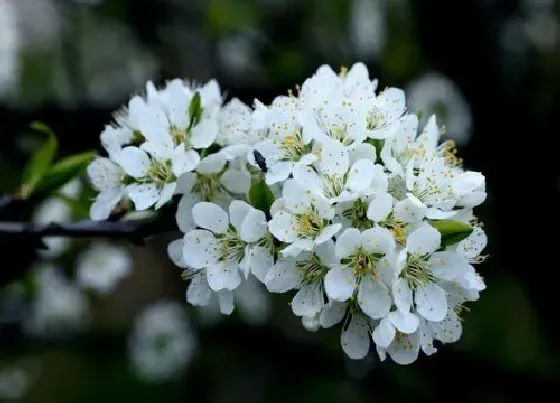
x: 509, y: 346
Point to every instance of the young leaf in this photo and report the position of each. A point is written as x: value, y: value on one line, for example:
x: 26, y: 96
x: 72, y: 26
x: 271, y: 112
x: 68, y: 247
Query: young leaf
x: 195, y: 109
x: 260, y: 196
x: 64, y: 171
x: 452, y: 232
x: 40, y: 162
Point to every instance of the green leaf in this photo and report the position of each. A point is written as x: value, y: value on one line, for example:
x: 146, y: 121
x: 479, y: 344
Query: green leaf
x: 452, y: 232
x: 64, y: 171
x: 195, y: 109
x: 260, y: 196
x: 41, y: 161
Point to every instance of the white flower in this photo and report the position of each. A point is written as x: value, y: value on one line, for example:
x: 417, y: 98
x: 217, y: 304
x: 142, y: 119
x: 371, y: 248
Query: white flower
x: 305, y: 221
x: 59, y: 306
x: 344, y: 184
x: 363, y: 258
x: 237, y: 128
x: 14, y: 383
x: 9, y: 47
x: 53, y: 210
x: 420, y: 268
x: 102, y: 266
x: 287, y: 144
x: 304, y: 273
x: 162, y: 343
x: 107, y: 178
x: 221, y: 245
x: 212, y: 182
x: 434, y: 93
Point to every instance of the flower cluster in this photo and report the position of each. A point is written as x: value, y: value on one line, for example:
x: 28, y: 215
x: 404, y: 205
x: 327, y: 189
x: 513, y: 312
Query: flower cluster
x: 333, y: 192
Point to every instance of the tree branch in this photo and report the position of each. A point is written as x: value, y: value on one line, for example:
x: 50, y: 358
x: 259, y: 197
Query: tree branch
x: 134, y: 231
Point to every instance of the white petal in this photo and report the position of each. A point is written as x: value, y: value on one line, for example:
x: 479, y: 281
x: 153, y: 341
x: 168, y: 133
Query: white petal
x: 473, y: 246
x: 175, y: 253
x: 104, y: 174
x: 184, y: 212
x: 380, y: 207
x: 210, y: 216
x: 260, y: 261
x: 183, y: 162
x: 104, y: 204
x: 355, y: 339
x: 448, y: 330
x: 332, y: 313
x: 134, y: 161
x: 311, y: 323
x: 211, y: 164
x: 410, y: 209
x: 225, y: 299
x: 198, y: 292
x: 328, y: 232
x: 424, y: 240
x: 236, y: 181
x: 185, y: 183
x: 326, y: 253
x: 238, y: 210
x: 340, y: 283
x: 402, y: 294
x: 282, y: 226
x: 308, y: 178
x: 384, y: 333
x: 406, y: 351
x: 347, y: 243
x: 378, y: 240
x: 254, y: 226
x: 204, y: 133
x: 449, y: 265
x: 431, y: 302
x: 283, y: 276
x: 394, y: 100
x: 405, y: 322
x: 361, y: 151
x: 223, y: 275
x: 308, y: 301
x: 199, y: 249
x: 360, y: 175
x: 373, y: 298
x: 143, y: 195
x: 278, y: 172
x: 334, y: 158
x: 166, y: 194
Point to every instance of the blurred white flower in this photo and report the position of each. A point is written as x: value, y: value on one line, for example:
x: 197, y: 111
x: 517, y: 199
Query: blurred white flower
x: 102, y: 266
x: 162, y: 343
x: 368, y: 27
x: 53, y: 210
x: 14, y: 383
x: 58, y: 306
x: 434, y: 93
x: 9, y: 46
x: 40, y: 23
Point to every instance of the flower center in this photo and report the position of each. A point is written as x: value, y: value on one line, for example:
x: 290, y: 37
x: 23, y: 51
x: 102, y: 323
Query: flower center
x: 417, y: 272
x: 340, y: 133
x: 375, y: 119
x: 231, y: 247
x: 332, y: 185
x: 312, y: 269
x: 160, y: 173
x: 208, y: 186
x: 180, y: 136
x: 363, y: 263
x: 448, y: 150
x: 309, y: 224
x: 293, y: 148
x: 357, y: 214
